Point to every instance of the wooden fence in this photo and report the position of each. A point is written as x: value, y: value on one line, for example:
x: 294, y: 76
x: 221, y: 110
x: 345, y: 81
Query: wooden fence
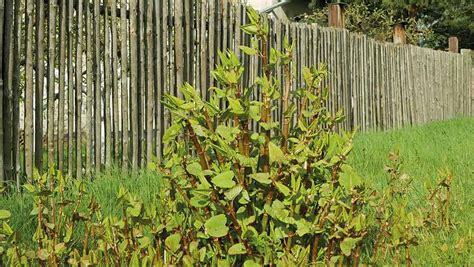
x: 82, y: 80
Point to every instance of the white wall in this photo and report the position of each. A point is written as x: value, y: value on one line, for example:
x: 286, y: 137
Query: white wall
x: 261, y: 4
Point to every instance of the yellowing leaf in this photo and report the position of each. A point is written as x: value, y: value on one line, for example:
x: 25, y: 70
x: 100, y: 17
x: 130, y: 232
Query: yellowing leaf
x: 42, y: 254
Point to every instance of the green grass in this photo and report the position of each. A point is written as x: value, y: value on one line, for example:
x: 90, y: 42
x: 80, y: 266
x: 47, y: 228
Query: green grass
x: 104, y: 188
x: 425, y: 151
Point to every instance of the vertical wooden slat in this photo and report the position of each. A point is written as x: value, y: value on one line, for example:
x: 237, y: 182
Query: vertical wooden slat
x: 62, y: 82
x: 28, y: 107
x: 166, y: 51
x: 79, y: 83
x: 2, y: 86
x: 108, y: 88
x: 204, y: 51
x: 7, y: 76
x: 124, y: 83
x: 115, y: 75
x: 211, y: 37
x: 159, y: 83
x: 150, y: 85
x: 142, y: 80
x: 70, y: 88
x: 90, y: 92
x: 97, y: 90
x: 134, y: 81
x: 51, y: 78
x: 39, y: 84
x: 178, y: 43
x: 17, y: 33
x: 188, y: 49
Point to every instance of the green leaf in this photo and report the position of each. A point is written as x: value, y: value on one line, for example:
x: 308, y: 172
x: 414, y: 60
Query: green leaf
x: 235, y: 106
x: 194, y: 169
x: 29, y: 187
x: 263, y: 178
x: 68, y: 236
x: 270, y: 125
x: 254, y: 112
x: 5, y: 214
x: 250, y: 29
x: 216, y: 226
x: 232, y: 193
x: 173, y: 242
x: 60, y: 248
x: 276, y: 154
x: 224, y: 180
x: 348, y: 178
x: 283, y: 189
x: 171, y: 133
x: 199, y: 202
x: 228, y: 133
x: 248, y: 50
x: 251, y: 263
x: 7, y: 229
x: 347, y: 245
x: 237, y: 249
x: 303, y: 227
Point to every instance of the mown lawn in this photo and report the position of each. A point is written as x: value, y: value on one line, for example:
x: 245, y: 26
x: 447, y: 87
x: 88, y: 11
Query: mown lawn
x: 425, y: 150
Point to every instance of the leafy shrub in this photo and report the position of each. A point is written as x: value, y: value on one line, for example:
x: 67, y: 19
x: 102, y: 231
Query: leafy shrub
x: 279, y: 192
x: 241, y: 188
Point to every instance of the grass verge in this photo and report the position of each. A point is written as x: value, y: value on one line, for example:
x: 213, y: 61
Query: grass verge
x: 425, y: 150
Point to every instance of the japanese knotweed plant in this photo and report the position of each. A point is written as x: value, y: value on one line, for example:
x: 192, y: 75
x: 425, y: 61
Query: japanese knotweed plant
x: 72, y: 231
x: 255, y: 190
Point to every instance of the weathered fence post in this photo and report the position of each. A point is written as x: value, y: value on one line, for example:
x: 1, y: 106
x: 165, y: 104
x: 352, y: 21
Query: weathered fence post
x: 399, y: 34
x: 453, y: 44
x: 336, y: 15
x: 2, y: 178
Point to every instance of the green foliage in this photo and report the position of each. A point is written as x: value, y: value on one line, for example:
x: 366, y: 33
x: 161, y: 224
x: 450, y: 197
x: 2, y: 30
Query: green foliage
x: 428, y: 23
x: 375, y: 21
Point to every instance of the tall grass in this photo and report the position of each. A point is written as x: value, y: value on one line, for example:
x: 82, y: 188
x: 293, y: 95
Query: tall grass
x: 425, y: 151
x: 103, y: 188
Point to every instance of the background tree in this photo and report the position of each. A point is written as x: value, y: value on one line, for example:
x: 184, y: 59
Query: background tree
x: 430, y: 23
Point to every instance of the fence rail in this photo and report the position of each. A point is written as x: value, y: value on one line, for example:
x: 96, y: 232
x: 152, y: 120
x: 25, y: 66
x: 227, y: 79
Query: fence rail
x: 82, y: 80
